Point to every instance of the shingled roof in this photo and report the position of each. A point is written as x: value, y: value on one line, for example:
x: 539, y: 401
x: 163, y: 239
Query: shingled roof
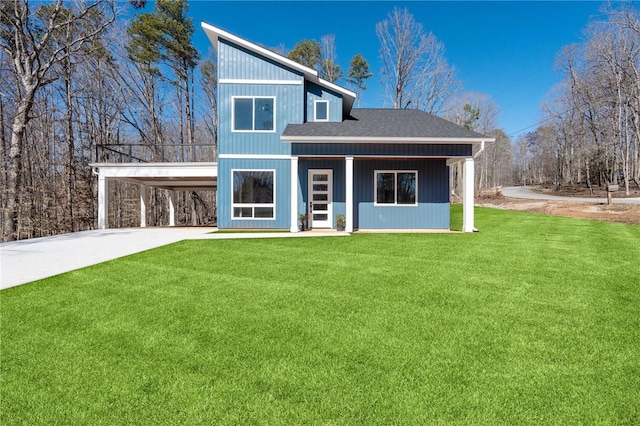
x: 384, y: 125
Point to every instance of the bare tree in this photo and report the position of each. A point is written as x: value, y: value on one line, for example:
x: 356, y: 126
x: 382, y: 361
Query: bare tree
x: 415, y: 72
x: 329, y: 69
x: 594, y: 113
x: 28, y: 37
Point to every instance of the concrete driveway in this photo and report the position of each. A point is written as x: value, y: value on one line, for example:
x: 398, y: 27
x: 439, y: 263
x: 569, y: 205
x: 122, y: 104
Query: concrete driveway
x: 28, y: 260
x: 526, y: 193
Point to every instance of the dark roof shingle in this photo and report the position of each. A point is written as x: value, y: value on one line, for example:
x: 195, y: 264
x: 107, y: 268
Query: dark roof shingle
x: 383, y: 123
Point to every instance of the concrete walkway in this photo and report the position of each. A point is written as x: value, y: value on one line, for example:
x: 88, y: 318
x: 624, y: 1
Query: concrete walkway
x: 526, y: 193
x: 25, y: 261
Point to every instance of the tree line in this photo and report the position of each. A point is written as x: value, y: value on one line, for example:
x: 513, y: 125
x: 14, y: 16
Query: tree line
x: 80, y: 84
x: 591, y: 133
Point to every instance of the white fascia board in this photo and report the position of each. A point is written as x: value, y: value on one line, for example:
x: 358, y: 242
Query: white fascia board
x: 364, y: 139
x: 151, y: 170
x: 348, y: 95
x: 214, y: 33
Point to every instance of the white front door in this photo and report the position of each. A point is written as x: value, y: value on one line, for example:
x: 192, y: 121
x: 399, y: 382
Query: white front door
x: 320, y: 198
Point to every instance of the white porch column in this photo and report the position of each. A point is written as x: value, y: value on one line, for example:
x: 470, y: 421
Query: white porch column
x: 468, y: 195
x: 172, y: 208
x: 349, y: 194
x: 144, y: 192
x: 294, y: 194
x: 103, y: 202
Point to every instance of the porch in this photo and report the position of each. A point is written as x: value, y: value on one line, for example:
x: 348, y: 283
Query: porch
x: 323, y: 187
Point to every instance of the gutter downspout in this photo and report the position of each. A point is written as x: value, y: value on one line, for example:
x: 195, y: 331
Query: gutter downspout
x: 476, y: 155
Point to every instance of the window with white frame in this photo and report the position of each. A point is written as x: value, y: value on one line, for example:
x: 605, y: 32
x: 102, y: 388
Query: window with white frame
x: 396, y: 187
x: 321, y: 111
x: 253, y: 114
x: 253, y: 194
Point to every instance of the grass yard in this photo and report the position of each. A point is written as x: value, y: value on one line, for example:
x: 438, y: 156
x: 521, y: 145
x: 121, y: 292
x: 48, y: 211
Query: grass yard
x: 535, y: 320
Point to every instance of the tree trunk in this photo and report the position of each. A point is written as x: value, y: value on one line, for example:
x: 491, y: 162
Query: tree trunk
x: 14, y: 173
x: 70, y: 148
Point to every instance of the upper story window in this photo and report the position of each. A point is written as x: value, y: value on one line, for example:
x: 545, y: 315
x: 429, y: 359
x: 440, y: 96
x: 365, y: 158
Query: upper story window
x: 395, y: 188
x: 321, y: 111
x: 253, y: 114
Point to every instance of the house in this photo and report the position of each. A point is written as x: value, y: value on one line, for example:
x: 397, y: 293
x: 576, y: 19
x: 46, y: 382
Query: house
x: 290, y: 142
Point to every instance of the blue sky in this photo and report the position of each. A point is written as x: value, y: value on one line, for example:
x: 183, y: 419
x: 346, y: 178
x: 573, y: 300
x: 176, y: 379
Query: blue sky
x: 506, y: 49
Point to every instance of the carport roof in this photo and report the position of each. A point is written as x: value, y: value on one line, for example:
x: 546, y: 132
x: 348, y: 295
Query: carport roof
x: 171, y: 176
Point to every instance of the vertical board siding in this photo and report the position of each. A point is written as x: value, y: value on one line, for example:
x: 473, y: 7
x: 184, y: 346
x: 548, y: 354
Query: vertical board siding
x: 235, y: 62
x: 339, y: 189
x: 282, y: 193
x: 432, y: 211
x: 288, y: 109
x: 382, y: 149
x: 315, y: 93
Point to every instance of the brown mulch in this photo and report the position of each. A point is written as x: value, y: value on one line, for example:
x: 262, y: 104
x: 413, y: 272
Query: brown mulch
x: 621, y: 213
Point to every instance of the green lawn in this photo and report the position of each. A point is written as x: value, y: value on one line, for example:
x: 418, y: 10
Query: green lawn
x: 534, y: 320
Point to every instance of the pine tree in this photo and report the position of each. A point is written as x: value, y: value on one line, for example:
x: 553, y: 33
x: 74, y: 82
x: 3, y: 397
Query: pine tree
x: 358, y: 73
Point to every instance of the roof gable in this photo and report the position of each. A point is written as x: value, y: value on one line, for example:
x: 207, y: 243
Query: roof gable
x: 214, y: 33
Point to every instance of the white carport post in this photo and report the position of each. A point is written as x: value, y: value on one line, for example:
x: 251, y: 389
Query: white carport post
x: 172, y: 208
x: 349, y: 194
x: 294, y: 194
x: 103, y: 202
x: 468, y: 195
x: 144, y: 192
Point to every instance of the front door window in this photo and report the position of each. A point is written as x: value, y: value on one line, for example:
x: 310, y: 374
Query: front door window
x: 320, y: 198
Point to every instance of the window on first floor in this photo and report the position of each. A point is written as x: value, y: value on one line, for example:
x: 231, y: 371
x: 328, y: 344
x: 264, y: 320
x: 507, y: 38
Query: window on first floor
x: 253, y: 114
x: 396, y: 187
x: 321, y: 111
x: 253, y: 194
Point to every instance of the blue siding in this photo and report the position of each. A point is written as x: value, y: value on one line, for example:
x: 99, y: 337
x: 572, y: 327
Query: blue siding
x: 235, y: 62
x: 432, y: 211
x: 288, y: 109
x: 339, y: 189
x: 360, y: 149
x: 282, y: 193
x: 314, y: 93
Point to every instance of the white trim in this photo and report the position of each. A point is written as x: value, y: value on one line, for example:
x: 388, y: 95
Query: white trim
x: 371, y: 156
x: 294, y: 195
x: 213, y: 33
x: 468, y: 183
x: 349, y: 194
x: 315, y: 109
x: 255, y: 156
x: 329, y: 202
x: 103, y: 202
x: 395, y: 203
x: 144, y: 197
x: 253, y: 205
x: 375, y: 139
x: 269, y: 82
x: 253, y: 114
x: 172, y: 208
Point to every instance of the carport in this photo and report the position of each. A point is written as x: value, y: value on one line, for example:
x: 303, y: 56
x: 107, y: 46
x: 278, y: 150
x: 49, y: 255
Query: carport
x: 168, y: 176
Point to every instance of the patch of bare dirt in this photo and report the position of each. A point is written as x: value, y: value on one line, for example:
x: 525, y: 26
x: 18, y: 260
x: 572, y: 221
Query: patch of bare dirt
x: 582, y: 191
x: 621, y: 213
